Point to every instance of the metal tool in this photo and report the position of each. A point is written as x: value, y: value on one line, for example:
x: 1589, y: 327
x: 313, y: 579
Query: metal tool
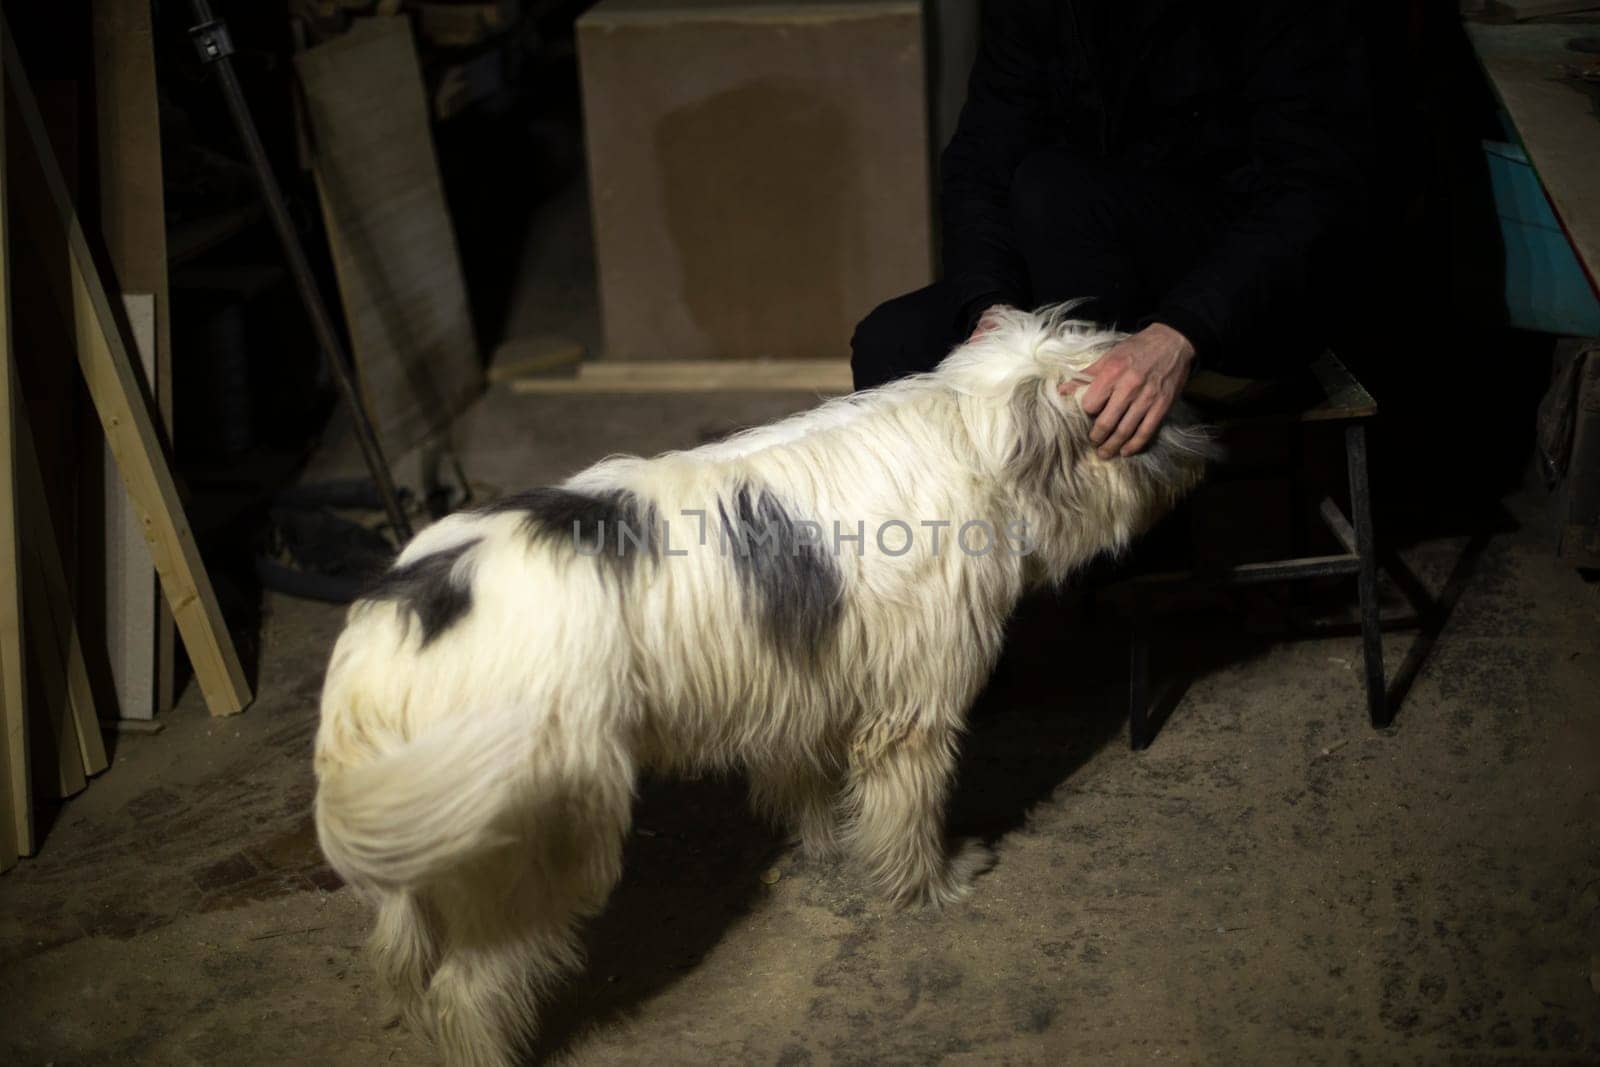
x: 215, y: 46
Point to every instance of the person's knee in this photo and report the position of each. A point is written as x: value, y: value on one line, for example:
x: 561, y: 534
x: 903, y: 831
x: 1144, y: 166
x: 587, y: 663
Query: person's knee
x: 893, y: 340
x: 874, y: 346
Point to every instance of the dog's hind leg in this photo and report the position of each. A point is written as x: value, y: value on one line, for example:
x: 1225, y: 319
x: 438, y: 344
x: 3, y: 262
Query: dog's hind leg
x: 403, y: 951
x: 896, y: 794
x: 802, y: 797
x: 510, y: 930
x: 485, y: 998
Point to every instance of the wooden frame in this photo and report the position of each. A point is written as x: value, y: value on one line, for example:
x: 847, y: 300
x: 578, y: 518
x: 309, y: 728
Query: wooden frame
x: 1340, y: 399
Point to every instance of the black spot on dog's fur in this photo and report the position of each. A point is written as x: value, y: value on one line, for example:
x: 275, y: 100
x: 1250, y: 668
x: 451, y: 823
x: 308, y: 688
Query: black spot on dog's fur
x: 608, y: 525
x: 790, y: 582
x: 428, y: 590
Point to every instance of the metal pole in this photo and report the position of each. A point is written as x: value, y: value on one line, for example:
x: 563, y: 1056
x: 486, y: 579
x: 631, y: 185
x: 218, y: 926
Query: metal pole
x: 211, y: 38
x: 1355, y: 449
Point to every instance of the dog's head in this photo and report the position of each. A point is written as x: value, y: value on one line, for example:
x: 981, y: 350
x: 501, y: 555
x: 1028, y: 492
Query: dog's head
x: 1036, y: 443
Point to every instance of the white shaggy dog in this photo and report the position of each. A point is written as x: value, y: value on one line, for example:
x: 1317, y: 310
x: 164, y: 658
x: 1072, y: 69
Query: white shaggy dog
x: 816, y: 603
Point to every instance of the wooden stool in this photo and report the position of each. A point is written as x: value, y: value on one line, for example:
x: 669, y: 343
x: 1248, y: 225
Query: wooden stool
x: 1326, y: 394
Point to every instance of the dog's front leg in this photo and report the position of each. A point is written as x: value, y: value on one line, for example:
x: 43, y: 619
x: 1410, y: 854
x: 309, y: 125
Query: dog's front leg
x: 896, y: 794
x: 800, y: 797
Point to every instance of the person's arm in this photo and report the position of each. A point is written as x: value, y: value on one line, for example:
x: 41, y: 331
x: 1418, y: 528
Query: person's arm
x: 1309, y: 142
x: 1000, y: 122
x: 1309, y: 135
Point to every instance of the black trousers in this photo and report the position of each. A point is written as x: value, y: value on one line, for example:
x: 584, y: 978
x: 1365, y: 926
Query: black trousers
x: 1084, y: 229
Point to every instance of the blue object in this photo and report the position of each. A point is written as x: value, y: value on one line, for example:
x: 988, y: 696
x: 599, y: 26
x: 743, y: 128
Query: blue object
x: 1545, y: 287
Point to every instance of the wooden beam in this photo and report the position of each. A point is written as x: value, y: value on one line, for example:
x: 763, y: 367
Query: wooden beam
x: 827, y: 376
x: 131, y: 436
x: 133, y: 226
x: 124, y: 414
x: 520, y: 357
x: 130, y: 599
x: 16, y: 787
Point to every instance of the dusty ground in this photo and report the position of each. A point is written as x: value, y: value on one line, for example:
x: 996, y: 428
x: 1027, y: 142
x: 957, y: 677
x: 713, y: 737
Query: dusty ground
x: 1271, y: 882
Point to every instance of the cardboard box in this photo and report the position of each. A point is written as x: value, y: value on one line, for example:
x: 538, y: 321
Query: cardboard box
x: 759, y: 172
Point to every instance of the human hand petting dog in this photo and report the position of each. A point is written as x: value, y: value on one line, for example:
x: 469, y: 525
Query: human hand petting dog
x: 1133, y: 387
x: 986, y: 320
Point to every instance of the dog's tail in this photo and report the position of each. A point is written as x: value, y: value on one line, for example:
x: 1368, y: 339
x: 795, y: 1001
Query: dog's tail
x: 422, y: 809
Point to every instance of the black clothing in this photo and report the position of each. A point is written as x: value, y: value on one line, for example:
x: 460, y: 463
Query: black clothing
x: 1128, y: 239
x: 1255, y: 110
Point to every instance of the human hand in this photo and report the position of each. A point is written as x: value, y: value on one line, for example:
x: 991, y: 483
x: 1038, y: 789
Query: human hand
x: 986, y: 320
x: 1132, y: 388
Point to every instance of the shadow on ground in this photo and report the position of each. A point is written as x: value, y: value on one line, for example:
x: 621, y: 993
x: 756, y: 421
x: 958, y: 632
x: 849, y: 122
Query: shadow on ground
x: 694, y: 865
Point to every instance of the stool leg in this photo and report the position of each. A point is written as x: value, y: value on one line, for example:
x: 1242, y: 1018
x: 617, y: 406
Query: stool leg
x: 1355, y: 442
x: 1139, y: 674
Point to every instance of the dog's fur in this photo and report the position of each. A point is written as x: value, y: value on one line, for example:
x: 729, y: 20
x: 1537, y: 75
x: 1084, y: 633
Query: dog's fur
x: 494, y: 699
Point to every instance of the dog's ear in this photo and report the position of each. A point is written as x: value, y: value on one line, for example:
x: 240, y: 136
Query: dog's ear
x: 1182, y: 448
x: 1045, y: 447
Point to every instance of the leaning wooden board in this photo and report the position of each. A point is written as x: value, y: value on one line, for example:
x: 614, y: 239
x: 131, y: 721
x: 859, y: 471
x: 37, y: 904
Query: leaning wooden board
x: 117, y: 393
x: 394, y: 249
x: 53, y: 740
x: 133, y: 227
x: 16, y: 787
x: 132, y: 600
x: 53, y: 628
x: 1555, y: 118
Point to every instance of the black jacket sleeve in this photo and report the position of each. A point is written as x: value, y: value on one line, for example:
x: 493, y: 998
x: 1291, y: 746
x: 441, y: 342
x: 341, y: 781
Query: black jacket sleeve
x: 1309, y: 132
x: 1306, y: 121
x: 1004, y: 117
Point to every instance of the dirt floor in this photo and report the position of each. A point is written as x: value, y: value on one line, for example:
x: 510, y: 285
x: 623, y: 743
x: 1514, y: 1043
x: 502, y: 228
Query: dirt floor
x: 1273, y: 881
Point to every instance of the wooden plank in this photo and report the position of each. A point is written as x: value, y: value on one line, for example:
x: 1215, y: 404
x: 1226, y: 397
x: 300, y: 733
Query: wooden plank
x: 1324, y: 392
x: 132, y: 596
x: 1276, y: 570
x: 1539, y: 9
x: 56, y: 624
x: 1343, y: 396
x: 609, y: 13
x: 132, y: 200
x: 49, y: 673
x: 394, y: 250
x: 117, y: 394
x: 828, y: 376
x: 16, y: 786
x: 133, y: 221
x: 130, y: 433
x: 753, y: 370
x: 1555, y: 120
x: 522, y: 356
x: 46, y: 377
